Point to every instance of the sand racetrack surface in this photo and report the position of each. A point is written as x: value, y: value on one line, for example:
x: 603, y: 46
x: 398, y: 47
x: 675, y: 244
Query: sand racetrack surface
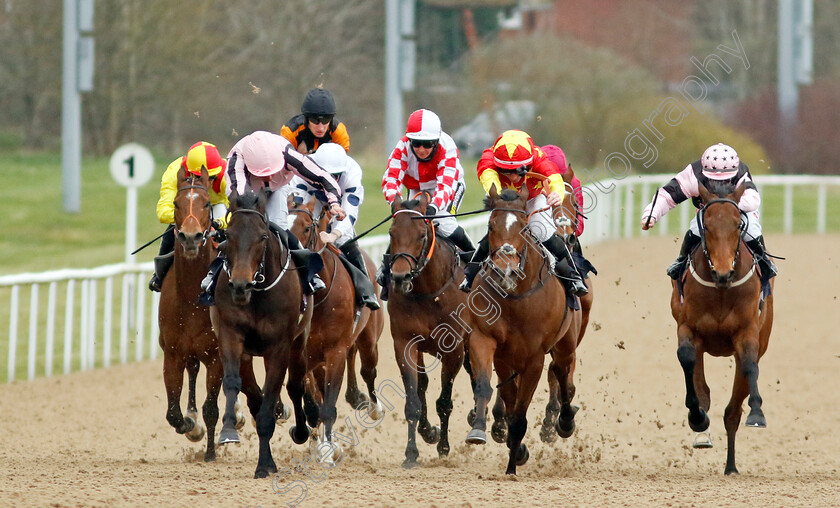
x: 100, y: 437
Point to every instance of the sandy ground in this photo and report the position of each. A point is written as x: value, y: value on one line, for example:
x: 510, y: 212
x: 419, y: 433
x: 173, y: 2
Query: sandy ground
x: 100, y: 438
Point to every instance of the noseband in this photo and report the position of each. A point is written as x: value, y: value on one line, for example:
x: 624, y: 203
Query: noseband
x: 417, y: 263
x: 259, y: 275
x: 206, y: 232
x: 488, y: 263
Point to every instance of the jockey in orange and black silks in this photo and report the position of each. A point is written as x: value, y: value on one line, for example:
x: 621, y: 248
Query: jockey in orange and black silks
x: 507, y: 165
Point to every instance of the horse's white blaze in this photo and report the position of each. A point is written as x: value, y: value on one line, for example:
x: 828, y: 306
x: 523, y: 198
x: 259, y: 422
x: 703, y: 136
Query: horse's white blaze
x: 291, y: 220
x: 510, y: 220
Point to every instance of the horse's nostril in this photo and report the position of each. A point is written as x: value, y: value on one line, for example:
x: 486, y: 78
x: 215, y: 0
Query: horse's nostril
x: 197, y: 237
x: 182, y: 237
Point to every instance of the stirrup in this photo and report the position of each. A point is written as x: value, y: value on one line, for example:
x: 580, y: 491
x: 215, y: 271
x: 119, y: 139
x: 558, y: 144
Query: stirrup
x: 370, y: 302
x: 207, y: 299
x: 154, y: 283
x: 577, y: 287
x: 315, y: 285
x: 676, y: 269
x: 466, y: 285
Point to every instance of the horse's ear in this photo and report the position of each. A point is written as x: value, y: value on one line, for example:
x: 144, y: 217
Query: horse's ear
x: 493, y: 193
x: 182, y: 175
x: 310, y: 205
x: 524, y: 192
x: 736, y: 196
x: 569, y: 174
x: 424, y: 201
x: 395, y: 204
x: 233, y: 198
x: 205, y: 176
x: 705, y: 195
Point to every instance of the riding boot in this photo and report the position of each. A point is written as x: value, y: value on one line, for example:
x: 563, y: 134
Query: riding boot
x: 768, y: 269
x: 365, y: 293
x: 690, y: 241
x: 461, y: 240
x: 208, y: 284
x: 164, y: 259
x: 564, y: 266
x: 310, y: 285
x: 474, y: 265
x: 383, y: 275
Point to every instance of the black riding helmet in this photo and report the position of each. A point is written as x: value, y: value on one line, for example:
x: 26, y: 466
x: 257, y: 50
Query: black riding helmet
x: 318, y: 102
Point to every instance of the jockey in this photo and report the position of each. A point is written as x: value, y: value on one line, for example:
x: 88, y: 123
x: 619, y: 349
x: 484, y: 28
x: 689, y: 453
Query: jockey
x: 263, y: 159
x: 719, y: 162
x: 348, y: 174
x: 426, y: 159
x: 507, y: 165
x: 200, y: 154
x: 316, y: 124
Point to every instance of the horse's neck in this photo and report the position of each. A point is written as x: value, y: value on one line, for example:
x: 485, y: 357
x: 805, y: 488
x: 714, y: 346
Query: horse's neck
x: 437, y: 271
x: 189, y: 271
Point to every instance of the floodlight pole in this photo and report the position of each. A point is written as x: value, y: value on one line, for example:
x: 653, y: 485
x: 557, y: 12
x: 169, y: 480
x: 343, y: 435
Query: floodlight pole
x: 71, y: 112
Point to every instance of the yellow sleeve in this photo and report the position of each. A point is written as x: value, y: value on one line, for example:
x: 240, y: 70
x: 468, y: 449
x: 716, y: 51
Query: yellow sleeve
x: 168, y: 190
x: 219, y: 198
x: 556, y: 184
x: 488, y: 178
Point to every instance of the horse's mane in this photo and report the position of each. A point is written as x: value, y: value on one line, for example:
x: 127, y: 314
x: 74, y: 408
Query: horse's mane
x: 248, y: 200
x: 720, y: 188
x: 411, y: 204
x: 505, y: 195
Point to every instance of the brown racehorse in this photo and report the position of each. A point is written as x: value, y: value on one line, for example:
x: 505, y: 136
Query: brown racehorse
x: 186, y: 336
x: 719, y: 313
x: 260, y: 311
x: 428, y: 315
x: 528, y: 324
x: 335, y: 331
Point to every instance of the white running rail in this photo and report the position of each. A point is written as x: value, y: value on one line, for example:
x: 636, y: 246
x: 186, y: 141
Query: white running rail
x: 106, y: 315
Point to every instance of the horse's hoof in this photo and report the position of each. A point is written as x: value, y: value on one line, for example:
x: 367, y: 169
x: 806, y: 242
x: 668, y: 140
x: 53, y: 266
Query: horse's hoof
x: 377, y: 411
x: 443, y: 450
x: 756, y: 420
x: 187, y: 426
x: 522, y: 455
x: 547, y: 433
x: 265, y: 472
x: 565, y: 429
x: 477, y: 437
x: 702, y: 440
x: 299, y: 437
x: 699, y: 426
x: 210, y: 457
x: 282, y: 413
x: 410, y: 463
x: 471, y: 417
x: 228, y: 436
x: 728, y: 471
x: 240, y: 416
x: 499, y: 431
x: 431, y: 435
x: 357, y: 401
x: 197, y: 432
x: 327, y: 454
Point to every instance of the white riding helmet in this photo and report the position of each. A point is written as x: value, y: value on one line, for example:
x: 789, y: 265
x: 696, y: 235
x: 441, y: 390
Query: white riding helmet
x: 332, y: 157
x: 423, y: 125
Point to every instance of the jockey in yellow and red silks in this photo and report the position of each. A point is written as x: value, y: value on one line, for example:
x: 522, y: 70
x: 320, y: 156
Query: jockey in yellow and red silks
x: 507, y: 165
x: 200, y: 154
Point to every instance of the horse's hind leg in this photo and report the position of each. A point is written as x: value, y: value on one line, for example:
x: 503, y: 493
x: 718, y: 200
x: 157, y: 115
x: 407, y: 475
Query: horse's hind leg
x: 548, y: 434
x: 505, y: 402
x: 566, y: 390
x: 451, y: 366
x: 430, y: 433
x: 173, y: 379
x: 698, y: 419
x: 366, y: 345
x: 210, y: 409
x: 352, y: 394
x: 732, y: 415
x: 482, y: 351
x: 295, y: 387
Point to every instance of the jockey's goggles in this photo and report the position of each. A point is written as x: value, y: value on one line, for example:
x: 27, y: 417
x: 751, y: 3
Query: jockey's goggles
x: 424, y: 143
x: 521, y: 170
x: 320, y: 119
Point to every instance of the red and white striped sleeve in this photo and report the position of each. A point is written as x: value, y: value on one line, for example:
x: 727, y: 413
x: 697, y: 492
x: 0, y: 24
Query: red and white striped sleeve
x: 395, y: 172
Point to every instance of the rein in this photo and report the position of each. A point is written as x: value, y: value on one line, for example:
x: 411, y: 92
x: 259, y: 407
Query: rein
x: 543, y: 275
x: 701, y: 224
x: 416, y: 263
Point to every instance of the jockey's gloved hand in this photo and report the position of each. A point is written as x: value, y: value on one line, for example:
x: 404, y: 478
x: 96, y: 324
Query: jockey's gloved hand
x: 217, y: 225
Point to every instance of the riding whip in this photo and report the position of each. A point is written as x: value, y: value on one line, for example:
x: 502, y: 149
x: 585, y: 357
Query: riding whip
x: 153, y: 240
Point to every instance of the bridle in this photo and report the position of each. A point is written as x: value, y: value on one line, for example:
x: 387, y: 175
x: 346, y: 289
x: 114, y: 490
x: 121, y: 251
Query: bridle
x: 206, y: 233
x: 701, y: 224
x: 259, y: 275
x: 312, y: 229
x: 489, y: 265
x: 428, y: 246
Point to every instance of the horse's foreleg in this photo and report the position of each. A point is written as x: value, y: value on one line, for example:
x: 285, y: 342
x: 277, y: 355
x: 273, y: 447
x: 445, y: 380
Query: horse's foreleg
x: 210, y: 409
x: 562, y: 368
x: 407, y: 359
x: 698, y: 420
x: 482, y: 351
x: 275, y: 372
x: 518, y: 423
x: 746, y: 355
x: 732, y: 415
x: 369, y: 355
x: 230, y: 352
x: 313, y: 399
x: 451, y: 366
x: 295, y: 387
x: 548, y: 434
x: 335, y: 362
x: 173, y: 379
x: 704, y: 395
x: 192, y: 374
x: 430, y: 433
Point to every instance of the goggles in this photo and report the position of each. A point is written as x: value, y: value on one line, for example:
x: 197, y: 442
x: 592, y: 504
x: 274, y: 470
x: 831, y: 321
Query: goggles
x: 320, y: 119
x: 521, y: 170
x: 424, y: 143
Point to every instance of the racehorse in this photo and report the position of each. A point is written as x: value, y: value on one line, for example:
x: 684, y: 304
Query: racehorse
x: 335, y: 330
x: 720, y: 312
x: 527, y: 325
x: 427, y: 313
x: 260, y: 311
x: 186, y: 336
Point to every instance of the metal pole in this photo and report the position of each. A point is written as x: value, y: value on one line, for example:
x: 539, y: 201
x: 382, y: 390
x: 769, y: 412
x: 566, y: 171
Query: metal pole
x: 393, y: 94
x: 788, y: 92
x: 71, y: 113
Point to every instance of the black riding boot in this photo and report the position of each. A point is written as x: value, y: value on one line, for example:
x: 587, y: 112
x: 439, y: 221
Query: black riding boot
x: 310, y: 285
x: 164, y: 259
x: 365, y: 293
x: 768, y: 269
x: 678, y: 267
x: 461, y: 240
x: 208, y: 284
x: 564, y: 266
x: 383, y: 275
x: 474, y: 265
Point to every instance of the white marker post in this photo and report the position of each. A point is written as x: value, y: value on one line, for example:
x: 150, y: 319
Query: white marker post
x: 131, y: 166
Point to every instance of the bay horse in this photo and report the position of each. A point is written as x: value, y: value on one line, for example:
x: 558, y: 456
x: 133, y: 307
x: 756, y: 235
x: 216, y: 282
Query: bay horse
x: 186, y: 335
x: 336, y: 331
x: 719, y: 312
x: 428, y: 315
x: 260, y: 310
x: 528, y: 324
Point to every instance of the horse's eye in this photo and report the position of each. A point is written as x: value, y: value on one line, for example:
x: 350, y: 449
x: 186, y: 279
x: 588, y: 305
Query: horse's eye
x: 264, y: 237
